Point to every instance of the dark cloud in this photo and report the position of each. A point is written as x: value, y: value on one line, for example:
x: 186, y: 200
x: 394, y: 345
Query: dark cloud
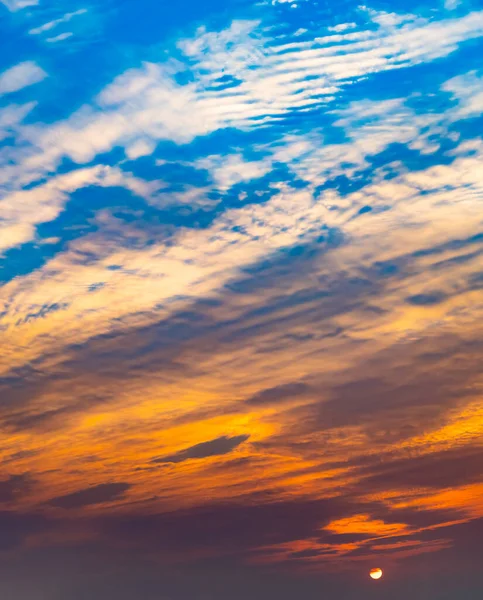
x: 41, y: 312
x: 467, y: 539
x: 476, y: 281
x: 45, y: 420
x: 305, y: 554
x: 19, y: 455
x: 16, y: 527
x: 28, y: 421
x: 14, y: 486
x: 97, y: 494
x: 456, y: 260
x: 216, y: 447
x: 18, y: 387
x: 240, y: 463
x: 454, y: 467
x: 394, y: 391
x: 429, y: 299
x: 343, y: 538
x: 279, y: 394
x: 164, y: 349
x: 240, y: 528
x: 235, y: 527
x: 451, y: 245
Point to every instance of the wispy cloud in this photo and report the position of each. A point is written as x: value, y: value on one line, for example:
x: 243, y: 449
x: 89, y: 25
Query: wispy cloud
x: 20, y: 76
x: 15, y: 5
x: 60, y: 38
x: 218, y: 447
x: 51, y: 24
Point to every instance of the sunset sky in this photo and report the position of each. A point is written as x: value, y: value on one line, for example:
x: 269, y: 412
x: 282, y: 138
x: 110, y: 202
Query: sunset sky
x: 241, y: 299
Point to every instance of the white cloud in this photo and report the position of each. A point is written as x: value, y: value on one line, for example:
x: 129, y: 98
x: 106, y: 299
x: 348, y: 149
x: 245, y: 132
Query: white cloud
x: 371, y: 126
x: 51, y: 24
x: 140, y: 148
x: 342, y: 27
x: 389, y: 20
x: 59, y: 38
x: 11, y: 116
x: 23, y: 210
x: 14, y: 5
x: 144, y: 105
x: 468, y: 90
x: 20, y: 76
x: 452, y: 4
x: 270, y: 78
x: 368, y: 127
x: 227, y: 171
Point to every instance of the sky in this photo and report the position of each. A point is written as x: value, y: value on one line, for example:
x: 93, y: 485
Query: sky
x: 241, y: 299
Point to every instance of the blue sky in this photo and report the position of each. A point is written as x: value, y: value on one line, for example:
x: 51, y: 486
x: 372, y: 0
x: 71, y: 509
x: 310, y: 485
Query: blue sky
x: 240, y: 266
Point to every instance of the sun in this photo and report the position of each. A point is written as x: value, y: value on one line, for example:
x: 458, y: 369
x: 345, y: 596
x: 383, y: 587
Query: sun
x: 375, y: 573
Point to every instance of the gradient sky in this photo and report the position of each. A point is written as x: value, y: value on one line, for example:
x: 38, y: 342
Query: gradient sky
x: 241, y: 299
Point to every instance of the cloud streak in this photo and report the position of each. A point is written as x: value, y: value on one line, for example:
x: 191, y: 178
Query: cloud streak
x: 217, y: 447
x: 20, y: 76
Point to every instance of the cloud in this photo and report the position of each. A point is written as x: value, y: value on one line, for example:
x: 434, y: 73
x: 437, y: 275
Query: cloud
x: 20, y: 76
x: 426, y: 299
x: 23, y: 210
x: 201, y: 262
x: 227, y: 171
x: 268, y: 83
x: 140, y: 148
x: 229, y: 528
x: 445, y: 469
x: 51, y: 24
x: 217, y: 447
x: 279, y: 394
x: 363, y: 524
x: 452, y: 4
x: 97, y: 494
x: 14, y: 5
x: 59, y: 38
x: 468, y: 90
x: 11, y: 116
x: 14, y: 486
x: 387, y: 399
